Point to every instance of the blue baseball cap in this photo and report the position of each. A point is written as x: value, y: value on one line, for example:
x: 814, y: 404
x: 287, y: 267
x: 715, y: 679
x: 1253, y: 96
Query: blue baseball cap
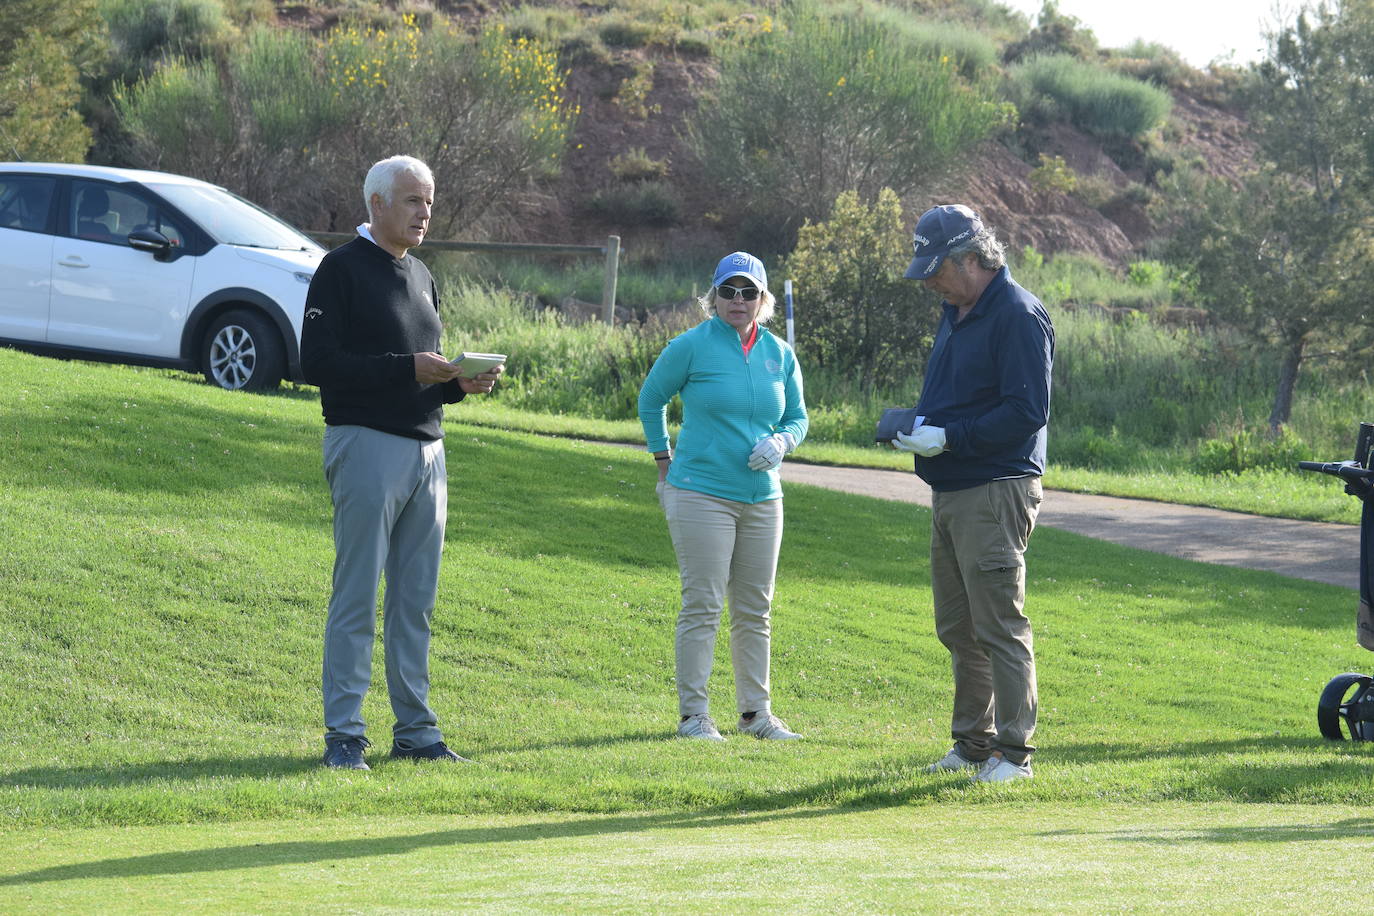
x: 741, y: 264
x: 937, y: 231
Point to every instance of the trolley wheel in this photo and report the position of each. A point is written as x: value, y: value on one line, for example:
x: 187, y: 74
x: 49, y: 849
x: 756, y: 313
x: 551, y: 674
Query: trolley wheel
x: 1334, y: 706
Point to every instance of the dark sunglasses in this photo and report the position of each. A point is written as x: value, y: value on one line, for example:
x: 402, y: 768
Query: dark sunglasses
x: 747, y: 293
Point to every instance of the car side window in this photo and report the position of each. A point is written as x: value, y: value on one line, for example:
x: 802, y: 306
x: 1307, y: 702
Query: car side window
x: 102, y: 213
x: 24, y: 202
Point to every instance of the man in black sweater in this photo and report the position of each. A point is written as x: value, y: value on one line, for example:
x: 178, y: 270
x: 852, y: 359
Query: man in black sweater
x: 370, y: 342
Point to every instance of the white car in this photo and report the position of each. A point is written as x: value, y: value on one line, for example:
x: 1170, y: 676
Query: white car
x: 122, y: 265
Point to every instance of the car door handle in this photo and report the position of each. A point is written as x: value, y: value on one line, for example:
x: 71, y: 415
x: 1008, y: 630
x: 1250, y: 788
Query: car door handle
x: 73, y: 261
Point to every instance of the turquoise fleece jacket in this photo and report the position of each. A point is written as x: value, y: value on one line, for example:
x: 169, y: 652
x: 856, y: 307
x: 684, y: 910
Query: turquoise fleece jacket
x: 729, y: 402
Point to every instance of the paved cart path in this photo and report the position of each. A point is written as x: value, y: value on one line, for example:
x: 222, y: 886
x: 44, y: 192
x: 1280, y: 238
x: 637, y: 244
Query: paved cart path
x: 1319, y: 551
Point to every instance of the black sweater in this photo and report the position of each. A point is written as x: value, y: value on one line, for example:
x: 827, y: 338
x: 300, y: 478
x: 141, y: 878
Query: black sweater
x: 366, y: 315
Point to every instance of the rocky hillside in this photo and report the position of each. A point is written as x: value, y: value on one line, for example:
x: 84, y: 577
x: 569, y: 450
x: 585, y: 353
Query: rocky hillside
x: 643, y: 99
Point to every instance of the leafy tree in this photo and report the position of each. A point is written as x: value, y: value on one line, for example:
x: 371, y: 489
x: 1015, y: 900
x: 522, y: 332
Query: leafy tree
x: 46, y: 46
x: 855, y: 311
x: 828, y: 104
x: 1286, y: 256
x: 1277, y: 266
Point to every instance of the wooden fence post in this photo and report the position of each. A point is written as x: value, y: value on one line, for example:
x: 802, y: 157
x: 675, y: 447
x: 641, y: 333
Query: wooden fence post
x: 612, y: 275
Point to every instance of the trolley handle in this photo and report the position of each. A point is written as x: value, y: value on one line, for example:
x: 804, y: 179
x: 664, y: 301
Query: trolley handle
x: 1348, y: 470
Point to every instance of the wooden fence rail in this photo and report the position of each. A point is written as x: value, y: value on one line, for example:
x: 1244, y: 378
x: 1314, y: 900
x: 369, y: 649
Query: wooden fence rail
x: 610, y: 251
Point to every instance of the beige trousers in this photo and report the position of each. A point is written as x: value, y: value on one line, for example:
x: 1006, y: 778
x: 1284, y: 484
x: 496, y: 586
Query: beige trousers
x: 978, y: 575
x: 724, y: 549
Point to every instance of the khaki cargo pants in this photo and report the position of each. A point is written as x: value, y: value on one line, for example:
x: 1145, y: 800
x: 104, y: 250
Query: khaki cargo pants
x: 978, y: 576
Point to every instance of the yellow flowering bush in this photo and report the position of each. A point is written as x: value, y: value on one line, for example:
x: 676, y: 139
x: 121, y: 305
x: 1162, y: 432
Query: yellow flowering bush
x: 295, y: 121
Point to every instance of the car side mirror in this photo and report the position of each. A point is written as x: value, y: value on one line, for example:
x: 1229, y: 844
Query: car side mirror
x: 151, y: 241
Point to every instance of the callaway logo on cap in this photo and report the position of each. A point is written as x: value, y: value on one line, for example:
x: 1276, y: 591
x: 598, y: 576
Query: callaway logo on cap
x: 937, y: 231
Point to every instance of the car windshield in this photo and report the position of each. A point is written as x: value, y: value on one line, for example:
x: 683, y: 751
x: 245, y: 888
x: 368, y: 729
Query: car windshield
x: 231, y: 220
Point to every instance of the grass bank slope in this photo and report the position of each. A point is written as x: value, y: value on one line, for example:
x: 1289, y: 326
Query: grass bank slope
x: 165, y: 560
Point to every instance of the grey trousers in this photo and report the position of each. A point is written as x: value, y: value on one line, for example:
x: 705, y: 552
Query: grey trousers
x: 978, y: 576
x: 390, y: 497
x: 723, y: 548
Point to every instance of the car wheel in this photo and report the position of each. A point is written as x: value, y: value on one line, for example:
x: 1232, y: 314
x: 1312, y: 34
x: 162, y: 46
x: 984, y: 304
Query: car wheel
x: 242, y: 350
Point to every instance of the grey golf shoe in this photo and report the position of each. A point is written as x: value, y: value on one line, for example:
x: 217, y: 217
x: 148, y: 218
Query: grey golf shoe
x: 767, y: 727
x: 699, y: 726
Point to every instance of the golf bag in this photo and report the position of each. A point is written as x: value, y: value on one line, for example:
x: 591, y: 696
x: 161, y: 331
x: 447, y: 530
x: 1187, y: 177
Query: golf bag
x: 1350, y: 697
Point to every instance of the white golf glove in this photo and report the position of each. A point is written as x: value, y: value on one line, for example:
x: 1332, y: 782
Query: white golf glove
x: 926, y: 441
x: 768, y: 453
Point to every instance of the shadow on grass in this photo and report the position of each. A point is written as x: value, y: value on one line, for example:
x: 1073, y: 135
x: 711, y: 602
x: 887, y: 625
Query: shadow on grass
x: 1262, y: 833
x: 882, y: 784
x: 299, y: 852
x: 874, y: 791
x: 1080, y: 753
x: 108, y: 777
x: 267, y: 766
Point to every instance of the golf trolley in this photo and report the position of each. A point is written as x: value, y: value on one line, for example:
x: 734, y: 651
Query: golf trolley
x: 1350, y: 696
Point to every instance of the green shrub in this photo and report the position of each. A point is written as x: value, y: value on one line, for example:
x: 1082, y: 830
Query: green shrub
x: 1074, y: 278
x: 973, y: 52
x: 633, y: 93
x: 592, y: 369
x: 643, y: 203
x: 1161, y: 386
x: 1154, y: 63
x: 1147, y: 273
x: 487, y: 112
x: 547, y: 24
x: 1054, y: 33
x: 1053, y: 174
x: 146, y: 33
x: 1251, y: 448
x: 1094, y: 191
x: 695, y: 44
x: 634, y: 164
x: 1094, y: 99
x: 619, y: 31
x: 1085, y: 447
x: 180, y: 120
x: 826, y: 105
x: 855, y: 313
x: 39, y: 91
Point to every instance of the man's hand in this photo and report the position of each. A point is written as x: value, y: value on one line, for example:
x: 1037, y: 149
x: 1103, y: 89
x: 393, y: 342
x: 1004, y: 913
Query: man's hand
x: 769, y: 451
x: 433, y: 369
x: 482, y: 382
x: 926, y: 441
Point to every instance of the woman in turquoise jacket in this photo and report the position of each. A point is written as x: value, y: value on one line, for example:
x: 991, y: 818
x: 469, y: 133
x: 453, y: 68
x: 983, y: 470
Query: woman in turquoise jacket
x: 742, y: 411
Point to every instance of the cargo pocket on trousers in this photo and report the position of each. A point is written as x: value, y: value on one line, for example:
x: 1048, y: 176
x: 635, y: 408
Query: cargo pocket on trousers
x: 1003, y: 562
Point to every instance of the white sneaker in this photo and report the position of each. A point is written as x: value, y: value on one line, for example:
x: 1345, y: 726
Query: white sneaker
x: 767, y: 727
x: 699, y: 726
x: 952, y: 762
x: 1000, y: 769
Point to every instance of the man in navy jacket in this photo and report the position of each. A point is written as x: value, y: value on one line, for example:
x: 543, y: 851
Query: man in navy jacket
x: 985, y: 405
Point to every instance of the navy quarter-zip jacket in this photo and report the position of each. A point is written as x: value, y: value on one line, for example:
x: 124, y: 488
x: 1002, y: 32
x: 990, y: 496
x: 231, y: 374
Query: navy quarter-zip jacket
x: 988, y: 384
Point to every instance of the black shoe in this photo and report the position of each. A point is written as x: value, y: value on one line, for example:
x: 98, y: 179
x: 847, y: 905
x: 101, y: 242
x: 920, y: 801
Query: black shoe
x: 346, y: 753
x: 436, y: 751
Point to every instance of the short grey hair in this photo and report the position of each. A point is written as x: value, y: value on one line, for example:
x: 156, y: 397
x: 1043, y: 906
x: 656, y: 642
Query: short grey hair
x: 381, y: 178
x: 766, y: 309
x: 991, y: 254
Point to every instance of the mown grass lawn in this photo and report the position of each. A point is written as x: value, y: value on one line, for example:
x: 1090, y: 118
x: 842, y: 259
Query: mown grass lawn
x: 164, y: 564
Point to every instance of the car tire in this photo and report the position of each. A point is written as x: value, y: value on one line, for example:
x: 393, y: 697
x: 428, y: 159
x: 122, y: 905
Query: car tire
x: 243, y: 351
